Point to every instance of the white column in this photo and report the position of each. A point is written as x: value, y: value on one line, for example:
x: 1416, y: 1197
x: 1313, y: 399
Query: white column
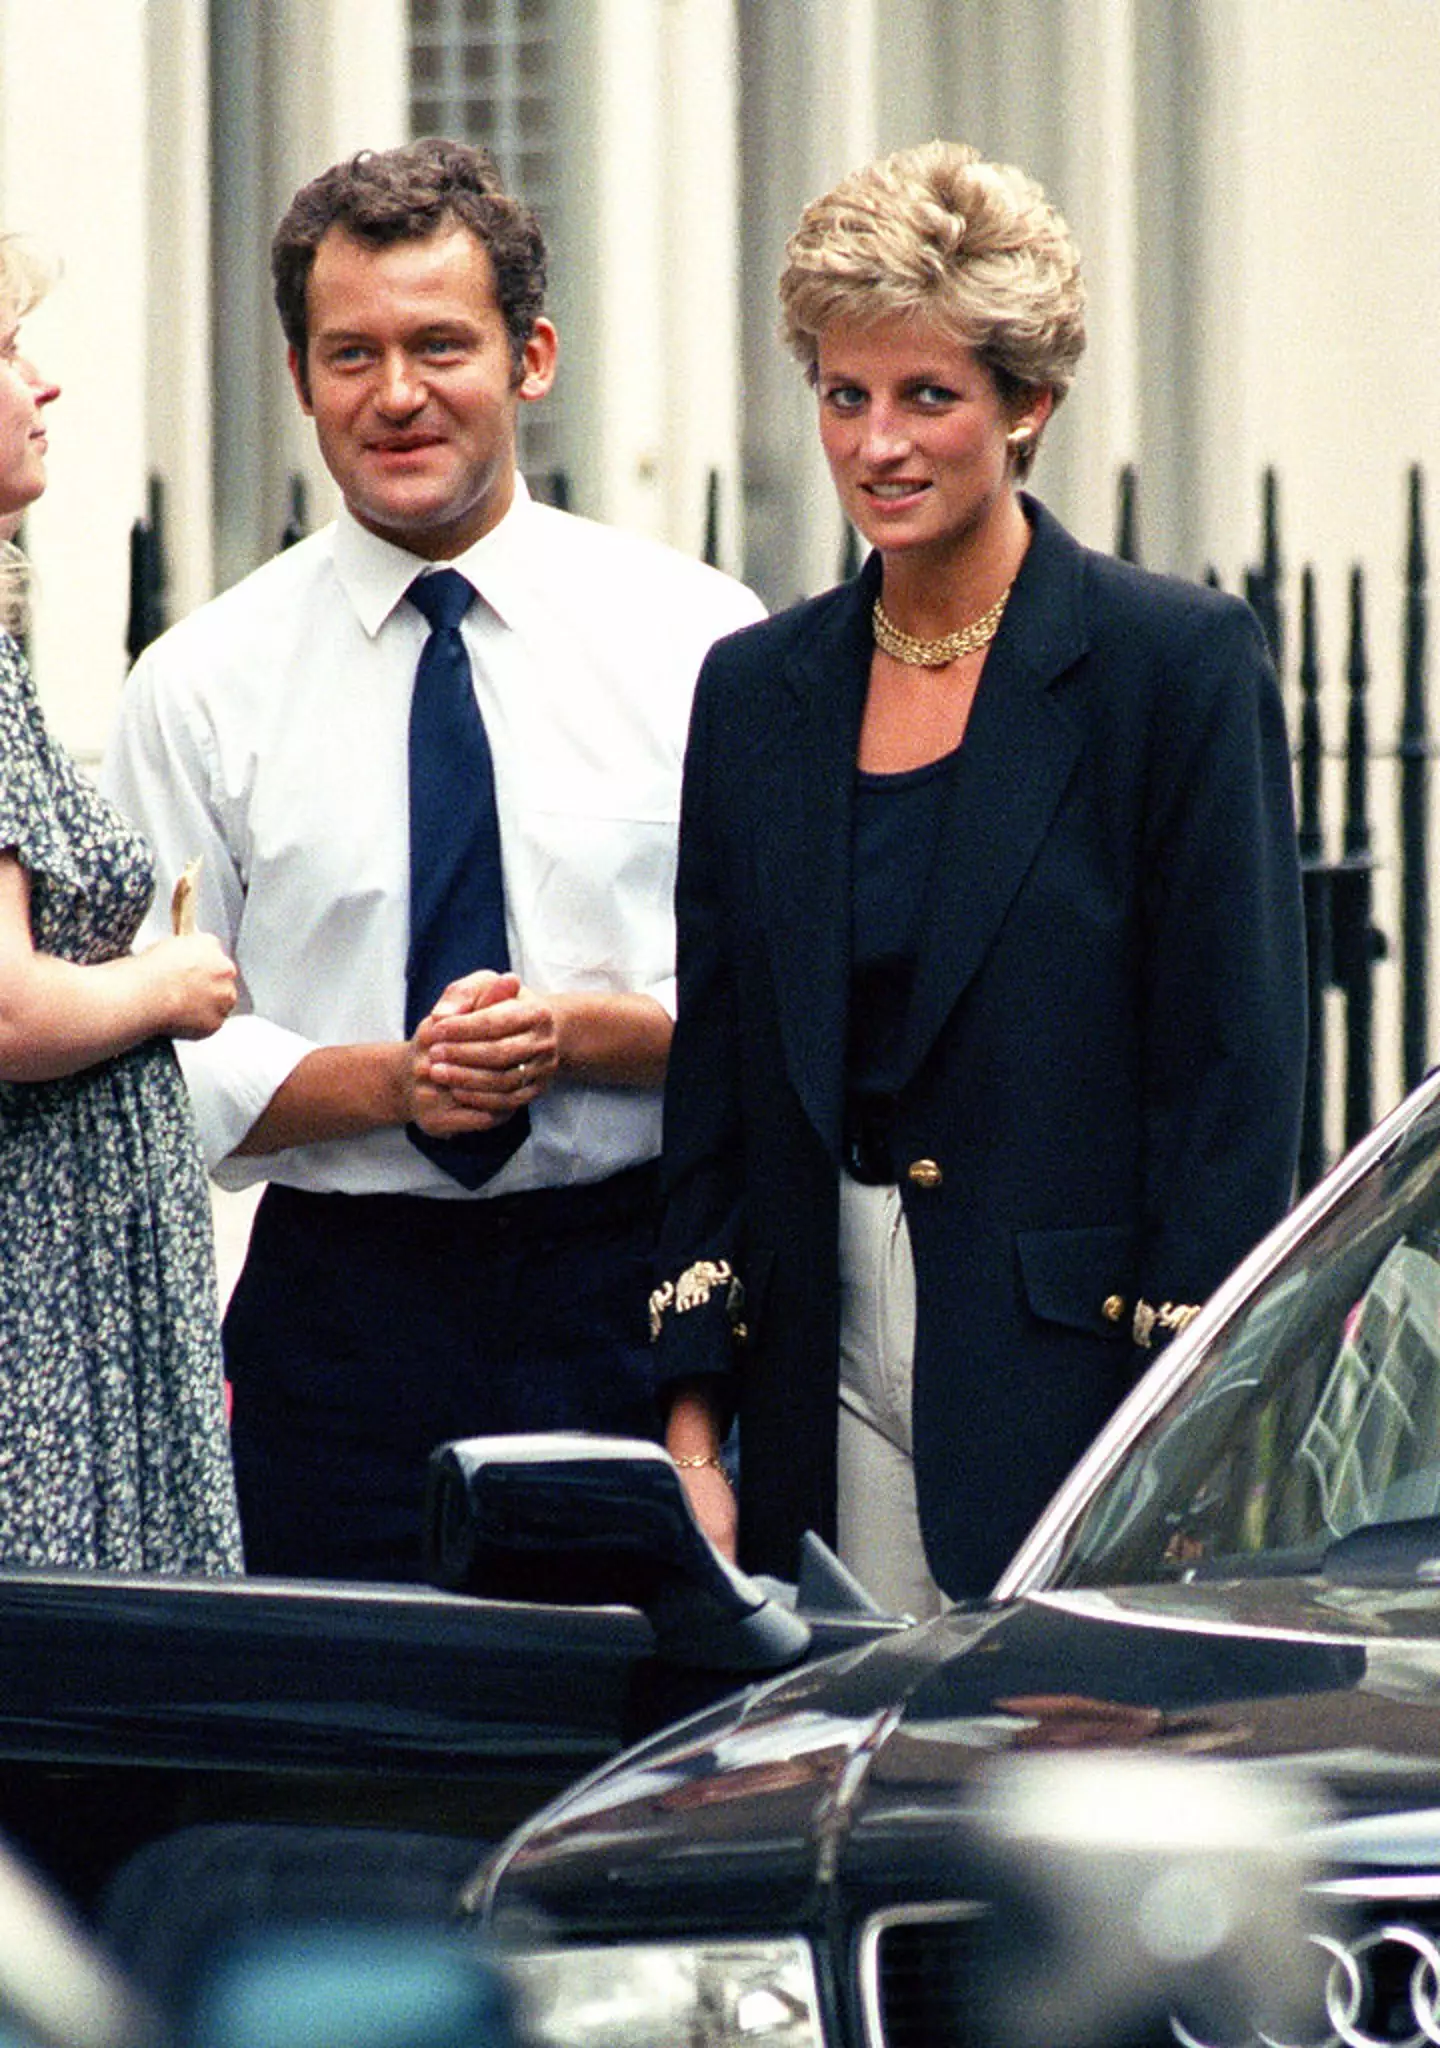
x: 298, y: 84
x: 1050, y: 88
x: 337, y: 73
x: 809, y: 118
x: 1096, y: 431
x: 179, y: 384
x: 701, y: 259
x: 628, y: 287
x: 647, y: 289
x: 841, y: 135
x: 72, y: 174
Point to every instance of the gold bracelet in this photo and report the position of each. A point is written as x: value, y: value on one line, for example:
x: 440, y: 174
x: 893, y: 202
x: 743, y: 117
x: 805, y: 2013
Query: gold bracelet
x: 698, y: 1464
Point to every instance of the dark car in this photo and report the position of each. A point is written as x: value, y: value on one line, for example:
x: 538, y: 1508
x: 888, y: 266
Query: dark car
x: 1234, y: 1599
x: 187, y: 1760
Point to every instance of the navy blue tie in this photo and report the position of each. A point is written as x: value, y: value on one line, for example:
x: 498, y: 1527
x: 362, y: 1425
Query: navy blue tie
x: 457, y: 891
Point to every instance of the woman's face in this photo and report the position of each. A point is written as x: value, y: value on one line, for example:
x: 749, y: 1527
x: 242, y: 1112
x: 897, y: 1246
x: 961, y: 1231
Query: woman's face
x: 914, y: 429
x: 24, y: 394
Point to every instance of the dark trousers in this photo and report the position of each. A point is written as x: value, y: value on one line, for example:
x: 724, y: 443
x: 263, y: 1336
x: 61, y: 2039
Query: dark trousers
x: 366, y: 1329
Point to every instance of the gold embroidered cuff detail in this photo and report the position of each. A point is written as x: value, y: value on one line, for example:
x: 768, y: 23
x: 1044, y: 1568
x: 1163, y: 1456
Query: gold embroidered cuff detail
x: 693, y: 1290
x: 1169, y: 1319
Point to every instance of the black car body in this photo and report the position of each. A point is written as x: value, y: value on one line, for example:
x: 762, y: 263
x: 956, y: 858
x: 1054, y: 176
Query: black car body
x: 1242, y: 1577
x: 183, y: 1759
x: 133, y: 1707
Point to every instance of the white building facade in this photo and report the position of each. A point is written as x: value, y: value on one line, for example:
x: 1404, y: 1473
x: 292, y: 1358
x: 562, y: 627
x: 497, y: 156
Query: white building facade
x: 1255, y: 185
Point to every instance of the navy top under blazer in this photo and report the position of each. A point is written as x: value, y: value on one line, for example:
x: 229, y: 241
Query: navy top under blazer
x: 1102, y: 1063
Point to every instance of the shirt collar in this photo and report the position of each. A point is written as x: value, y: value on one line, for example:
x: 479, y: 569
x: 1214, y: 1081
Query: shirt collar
x: 375, y: 574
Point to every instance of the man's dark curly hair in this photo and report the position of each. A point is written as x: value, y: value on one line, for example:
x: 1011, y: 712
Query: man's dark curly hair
x: 407, y: 195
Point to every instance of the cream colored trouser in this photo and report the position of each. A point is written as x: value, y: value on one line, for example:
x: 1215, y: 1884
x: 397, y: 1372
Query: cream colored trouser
x: 879, y: 1530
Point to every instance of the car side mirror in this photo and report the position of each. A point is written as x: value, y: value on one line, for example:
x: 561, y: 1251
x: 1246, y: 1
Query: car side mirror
x: 579, y: 1520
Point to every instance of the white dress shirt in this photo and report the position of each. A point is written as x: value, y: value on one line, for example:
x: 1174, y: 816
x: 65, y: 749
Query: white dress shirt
x: 267, y: 733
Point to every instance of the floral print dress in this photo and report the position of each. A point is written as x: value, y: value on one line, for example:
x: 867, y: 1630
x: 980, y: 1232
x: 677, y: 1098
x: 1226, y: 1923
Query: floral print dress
x: 113, y: 1443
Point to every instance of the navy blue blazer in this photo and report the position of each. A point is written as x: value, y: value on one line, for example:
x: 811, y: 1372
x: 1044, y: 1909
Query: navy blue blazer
x: 1101, y: 1079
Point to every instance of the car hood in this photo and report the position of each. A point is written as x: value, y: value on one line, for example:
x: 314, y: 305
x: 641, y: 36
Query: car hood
x: 868, y: 1764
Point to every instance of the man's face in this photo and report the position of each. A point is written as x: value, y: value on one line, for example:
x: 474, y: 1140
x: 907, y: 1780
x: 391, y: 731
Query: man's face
x: 411, y: 384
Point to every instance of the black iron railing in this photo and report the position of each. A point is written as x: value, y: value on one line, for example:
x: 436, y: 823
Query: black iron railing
x: 1344, y: 942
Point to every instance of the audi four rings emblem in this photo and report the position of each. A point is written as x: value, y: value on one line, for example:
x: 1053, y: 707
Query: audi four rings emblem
x: 1381, y: 1990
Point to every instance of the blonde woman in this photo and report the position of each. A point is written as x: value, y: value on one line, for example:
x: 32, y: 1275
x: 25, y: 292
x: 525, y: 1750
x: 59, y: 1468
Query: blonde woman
x: 991, y: 1011
x: 113, y: 1448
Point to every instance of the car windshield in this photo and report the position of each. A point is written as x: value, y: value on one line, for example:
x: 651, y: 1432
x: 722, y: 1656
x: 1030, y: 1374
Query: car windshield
x: 1314, y: 1412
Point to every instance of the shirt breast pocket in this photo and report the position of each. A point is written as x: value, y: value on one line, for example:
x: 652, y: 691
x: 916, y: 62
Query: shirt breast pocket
x: 594, y: 890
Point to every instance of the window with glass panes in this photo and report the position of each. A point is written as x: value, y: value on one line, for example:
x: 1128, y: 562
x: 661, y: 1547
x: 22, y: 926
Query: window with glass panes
x: 483, y: 71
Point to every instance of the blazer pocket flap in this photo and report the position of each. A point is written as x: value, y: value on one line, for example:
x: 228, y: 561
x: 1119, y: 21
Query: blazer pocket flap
x: 1081, y: 1278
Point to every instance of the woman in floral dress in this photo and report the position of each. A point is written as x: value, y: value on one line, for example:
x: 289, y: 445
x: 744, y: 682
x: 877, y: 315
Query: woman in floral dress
x: 113, y: 1447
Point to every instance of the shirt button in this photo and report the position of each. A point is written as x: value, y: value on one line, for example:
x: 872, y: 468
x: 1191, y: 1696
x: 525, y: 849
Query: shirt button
x: 924, y: 1173
x: 1113, y: 1308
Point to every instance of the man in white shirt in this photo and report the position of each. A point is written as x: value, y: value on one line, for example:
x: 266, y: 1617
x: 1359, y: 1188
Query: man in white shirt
x: 385, y: 1305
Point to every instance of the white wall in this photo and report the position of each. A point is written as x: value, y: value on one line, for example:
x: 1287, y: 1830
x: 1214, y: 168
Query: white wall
x: 1321, y: 314
x: 105, y: 124
x: 1255, y: 185
x: 72, y: 175
x: 1331, y: 296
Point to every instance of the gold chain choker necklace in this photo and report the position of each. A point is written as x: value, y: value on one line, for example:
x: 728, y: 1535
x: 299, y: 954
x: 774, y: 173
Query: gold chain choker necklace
x: 936, y: 653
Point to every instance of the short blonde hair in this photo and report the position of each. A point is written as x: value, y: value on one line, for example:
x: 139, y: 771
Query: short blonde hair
x: 25, y: 277
x: 976, y: 248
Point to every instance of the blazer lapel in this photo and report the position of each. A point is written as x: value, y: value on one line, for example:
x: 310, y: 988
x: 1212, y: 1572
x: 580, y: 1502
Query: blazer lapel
x: 803, y: 827
x: 1018, y: 754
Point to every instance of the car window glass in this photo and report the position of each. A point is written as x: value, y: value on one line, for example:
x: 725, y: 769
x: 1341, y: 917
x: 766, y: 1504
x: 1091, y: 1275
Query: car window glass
x: 1313, y: 1413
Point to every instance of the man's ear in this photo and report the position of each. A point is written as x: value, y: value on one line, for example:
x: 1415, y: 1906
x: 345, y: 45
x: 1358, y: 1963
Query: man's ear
x: 537, y: 364
x: 299, y: 377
